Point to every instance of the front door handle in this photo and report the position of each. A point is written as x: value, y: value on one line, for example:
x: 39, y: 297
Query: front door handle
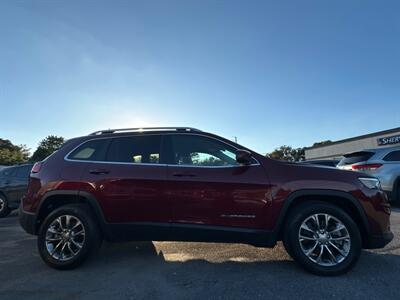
x: 177, y: 174
x: 99, y: 171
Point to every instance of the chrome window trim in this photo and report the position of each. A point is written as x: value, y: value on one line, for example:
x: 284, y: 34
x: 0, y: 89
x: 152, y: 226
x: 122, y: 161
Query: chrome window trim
x: 230, y: 166
x: 154, y: 164
x: 113, y: 162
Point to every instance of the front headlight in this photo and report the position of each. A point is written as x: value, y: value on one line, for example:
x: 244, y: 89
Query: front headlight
x: 371, y: 183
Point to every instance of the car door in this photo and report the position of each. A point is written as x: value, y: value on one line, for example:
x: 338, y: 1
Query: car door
x: 21, y: 181
x: 207, y: 186
x: 9, y: 183
x: 128, y: 181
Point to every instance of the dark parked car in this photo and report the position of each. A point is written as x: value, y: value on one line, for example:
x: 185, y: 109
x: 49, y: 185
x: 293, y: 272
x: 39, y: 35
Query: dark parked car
x: 13, y: 185
x: 182, y: 184
x: 322, y: 162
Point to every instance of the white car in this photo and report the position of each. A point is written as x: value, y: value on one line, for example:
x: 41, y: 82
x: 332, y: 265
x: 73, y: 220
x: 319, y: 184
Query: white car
x: 382, y: 163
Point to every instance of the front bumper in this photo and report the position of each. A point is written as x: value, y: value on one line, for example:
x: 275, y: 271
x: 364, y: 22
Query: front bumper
x: 376, y: 242
x: 27, y: 221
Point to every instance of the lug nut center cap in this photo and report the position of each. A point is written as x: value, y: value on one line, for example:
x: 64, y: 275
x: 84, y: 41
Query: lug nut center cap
x: 323, y: 238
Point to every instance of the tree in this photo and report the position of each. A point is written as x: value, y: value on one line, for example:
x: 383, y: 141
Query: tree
x: 323, y: 143
x: 287, y: 153
x: 299, y: 154
x: 11, y: 154
x: 46, y: 147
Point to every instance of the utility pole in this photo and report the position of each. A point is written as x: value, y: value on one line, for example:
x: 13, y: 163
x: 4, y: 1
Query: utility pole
x: 235, y: 137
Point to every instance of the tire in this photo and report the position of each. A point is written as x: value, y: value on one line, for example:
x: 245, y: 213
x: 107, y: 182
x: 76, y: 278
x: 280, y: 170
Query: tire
x: 322, y: 250
x: 4, y: 209
x: 286, y: 245
x: 68, y: 236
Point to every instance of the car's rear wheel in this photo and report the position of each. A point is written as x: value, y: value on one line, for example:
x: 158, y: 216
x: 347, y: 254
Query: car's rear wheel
x: 68, y: 236
x: 4, y: 209
x: 322, y: 238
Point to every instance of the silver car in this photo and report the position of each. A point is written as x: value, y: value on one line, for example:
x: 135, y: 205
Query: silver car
x: 383, y: 163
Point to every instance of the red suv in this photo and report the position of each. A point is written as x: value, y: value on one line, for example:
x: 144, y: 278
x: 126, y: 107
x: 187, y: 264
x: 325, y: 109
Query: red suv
x: 182, y: 184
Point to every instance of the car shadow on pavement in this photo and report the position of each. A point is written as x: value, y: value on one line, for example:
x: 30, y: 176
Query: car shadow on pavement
x: 170, y: 270
x: 132, y: 253
x: 139, y: 265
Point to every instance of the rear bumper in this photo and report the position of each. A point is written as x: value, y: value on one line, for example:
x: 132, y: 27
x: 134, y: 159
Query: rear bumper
x: 376, y: 242
x: 27, y: 221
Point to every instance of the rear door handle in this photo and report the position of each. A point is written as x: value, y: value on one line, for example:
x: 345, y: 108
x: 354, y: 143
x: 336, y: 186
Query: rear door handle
x: 99, y: 171
x: 176, y: 174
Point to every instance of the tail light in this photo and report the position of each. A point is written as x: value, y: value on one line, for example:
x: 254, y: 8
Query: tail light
x: 36, y: 167
x: 366, y: 167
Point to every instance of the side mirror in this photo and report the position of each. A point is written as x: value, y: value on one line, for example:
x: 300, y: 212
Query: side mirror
x: 243, y: 157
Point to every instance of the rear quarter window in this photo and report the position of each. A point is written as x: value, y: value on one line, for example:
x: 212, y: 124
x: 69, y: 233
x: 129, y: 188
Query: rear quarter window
x: 94, y: 150
x: 393, y: 156
x: 355, y: 157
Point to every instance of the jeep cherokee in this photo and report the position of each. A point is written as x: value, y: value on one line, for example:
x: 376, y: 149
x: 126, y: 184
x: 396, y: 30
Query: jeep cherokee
x: 183, y: 184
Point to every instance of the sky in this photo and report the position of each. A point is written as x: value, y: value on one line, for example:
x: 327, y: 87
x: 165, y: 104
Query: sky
x: 270, y: 73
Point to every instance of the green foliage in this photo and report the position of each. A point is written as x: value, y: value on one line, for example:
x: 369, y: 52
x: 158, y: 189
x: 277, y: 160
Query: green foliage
x: 46, y: 147
x: 323, y: 143
x: 287, y: 153
x: 293, y: 154
x: 11, y: 154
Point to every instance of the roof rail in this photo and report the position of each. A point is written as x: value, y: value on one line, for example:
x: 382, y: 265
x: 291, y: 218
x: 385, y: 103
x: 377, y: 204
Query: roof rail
x: 140, y: 129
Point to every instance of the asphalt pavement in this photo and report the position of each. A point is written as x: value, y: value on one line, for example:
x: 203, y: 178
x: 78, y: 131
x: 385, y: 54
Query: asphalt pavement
x: 176, y: 270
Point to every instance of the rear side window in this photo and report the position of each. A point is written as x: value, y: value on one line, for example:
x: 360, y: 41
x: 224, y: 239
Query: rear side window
x: 136, y: 149
x: 24, y: 171
x: 355, y: 157
x: 94, y: 150
x: 392, y: 156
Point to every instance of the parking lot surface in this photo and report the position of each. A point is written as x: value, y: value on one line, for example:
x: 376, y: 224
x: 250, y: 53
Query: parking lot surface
x: 171, y: 270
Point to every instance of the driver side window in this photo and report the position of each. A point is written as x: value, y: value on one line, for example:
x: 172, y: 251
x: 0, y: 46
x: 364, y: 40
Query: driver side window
x: 197, y: 150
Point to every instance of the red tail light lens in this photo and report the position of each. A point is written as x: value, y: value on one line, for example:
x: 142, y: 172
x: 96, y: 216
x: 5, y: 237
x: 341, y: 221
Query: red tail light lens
x: 36, y: 167
x: 366, y: 167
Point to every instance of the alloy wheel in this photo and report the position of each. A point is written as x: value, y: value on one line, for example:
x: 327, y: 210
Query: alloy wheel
x: 324, y: 239
x: 65, y: 237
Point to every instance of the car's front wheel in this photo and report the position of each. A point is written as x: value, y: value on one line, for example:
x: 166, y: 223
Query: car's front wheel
x: 322, y: 238
x: 68, y: 236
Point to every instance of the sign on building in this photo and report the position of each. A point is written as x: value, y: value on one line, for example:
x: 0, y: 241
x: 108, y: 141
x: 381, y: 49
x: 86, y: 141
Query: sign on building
x: 389, y: 140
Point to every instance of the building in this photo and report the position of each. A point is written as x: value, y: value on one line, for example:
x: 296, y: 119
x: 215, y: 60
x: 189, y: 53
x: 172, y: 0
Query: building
x: 336, y: 150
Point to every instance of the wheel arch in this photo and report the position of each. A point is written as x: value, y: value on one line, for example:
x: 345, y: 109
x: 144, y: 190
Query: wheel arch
x: 341, y: 199
x: 55, y: 199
